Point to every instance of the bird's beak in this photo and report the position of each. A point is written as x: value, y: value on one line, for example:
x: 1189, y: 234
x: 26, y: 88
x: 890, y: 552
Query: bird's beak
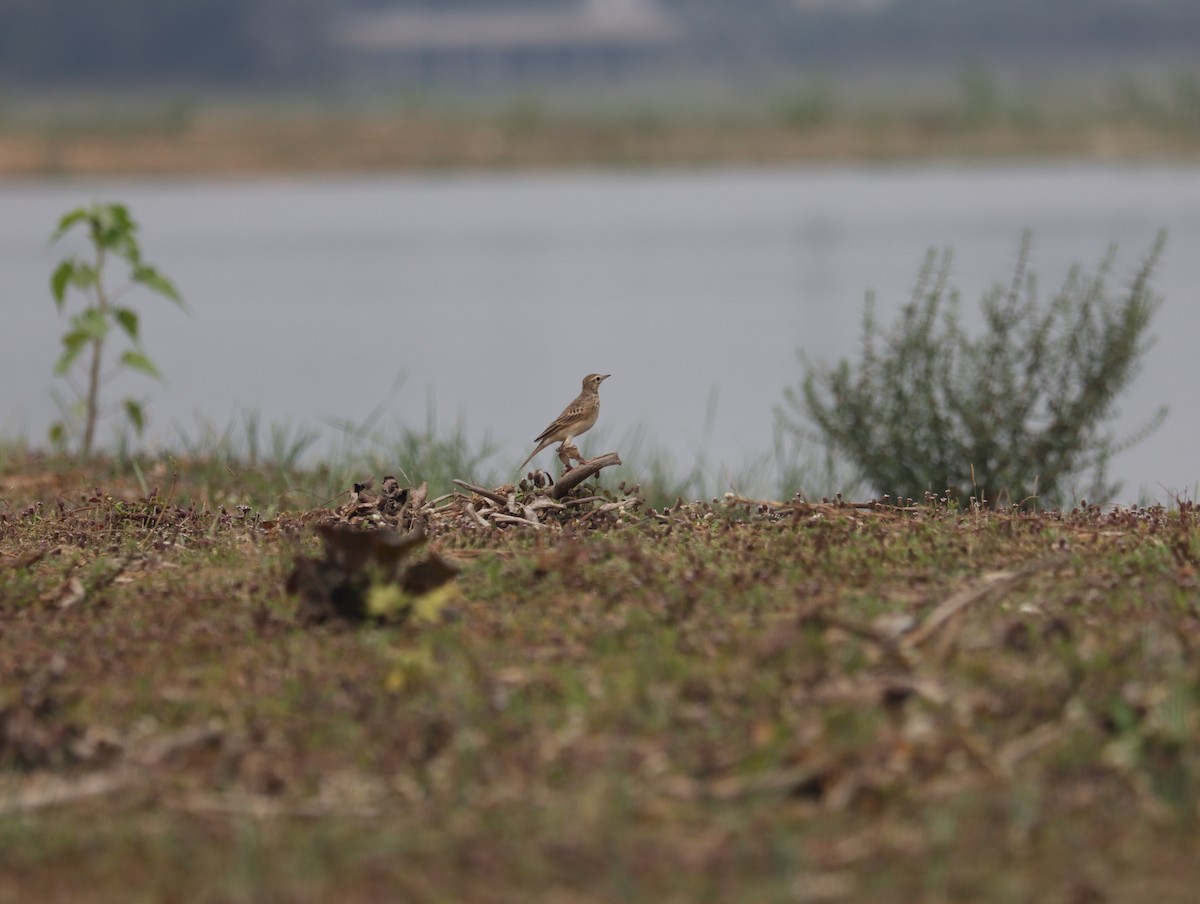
x: 604, y: 377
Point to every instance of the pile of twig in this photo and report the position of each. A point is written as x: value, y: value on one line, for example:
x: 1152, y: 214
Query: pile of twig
x: 393, y: 506
x: 508, y: 506
x: 537, y: 503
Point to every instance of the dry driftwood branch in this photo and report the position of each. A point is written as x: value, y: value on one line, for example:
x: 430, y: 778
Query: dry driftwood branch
x: 576, y: 476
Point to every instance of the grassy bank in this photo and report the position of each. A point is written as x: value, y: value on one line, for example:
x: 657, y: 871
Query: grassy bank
x: 731, y: 701
x: 1115, y: 111
x: 215, y: 144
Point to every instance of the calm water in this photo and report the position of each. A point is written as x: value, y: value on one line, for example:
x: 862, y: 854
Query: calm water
x: 494, y: 294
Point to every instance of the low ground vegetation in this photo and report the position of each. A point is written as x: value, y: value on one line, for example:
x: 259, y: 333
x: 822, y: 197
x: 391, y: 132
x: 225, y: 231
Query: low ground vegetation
x: 735, y: 700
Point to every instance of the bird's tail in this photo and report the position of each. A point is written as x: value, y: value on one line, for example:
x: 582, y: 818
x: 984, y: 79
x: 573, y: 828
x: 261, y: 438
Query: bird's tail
x: 539, y: 448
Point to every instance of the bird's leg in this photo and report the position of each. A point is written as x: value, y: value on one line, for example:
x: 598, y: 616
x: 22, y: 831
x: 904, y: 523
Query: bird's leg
x: 568, y: 451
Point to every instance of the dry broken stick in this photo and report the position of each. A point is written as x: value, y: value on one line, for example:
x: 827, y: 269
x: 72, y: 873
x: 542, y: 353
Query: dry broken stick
x: 514, y: 519
x: 490, y: 508
x: 482, y: 491
x: 620, y: 506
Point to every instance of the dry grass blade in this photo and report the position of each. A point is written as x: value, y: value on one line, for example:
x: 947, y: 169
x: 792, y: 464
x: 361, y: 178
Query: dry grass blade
x: 138, y: 767
x: 257, y: 806
x: 990, y: 586
x: 781, y: 782
x: 1021, y: 748
x: 43, y: 793
x: 885, y: 641
x: 25, y: 560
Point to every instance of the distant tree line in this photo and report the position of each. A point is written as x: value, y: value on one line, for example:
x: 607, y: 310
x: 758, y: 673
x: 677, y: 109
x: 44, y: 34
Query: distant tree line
x: 257, y: 41
x: 433, y: 6
x: 123, y: 41
x: 932, y: 30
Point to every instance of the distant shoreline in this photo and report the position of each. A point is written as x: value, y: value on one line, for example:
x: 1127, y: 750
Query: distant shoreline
x: 236, y: 147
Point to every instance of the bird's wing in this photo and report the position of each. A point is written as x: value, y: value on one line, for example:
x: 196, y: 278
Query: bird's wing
x: 545, y: 435
x: 569, y: 415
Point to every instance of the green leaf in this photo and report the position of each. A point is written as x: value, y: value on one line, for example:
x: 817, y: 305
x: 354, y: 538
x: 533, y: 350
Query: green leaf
x: 127, y: 319
x: 150, y: 278
x: 126, y: 246
x: 87, y: 327
x: 120, y: 217
x: 84, y: 276
x: 58, y: 435
x: 92, y: 323
x: 136, y: 416
x: 59, y: 281
x: 68, y: 220
x: 137, y: 361
x: 73, y: 342
x: 112, y: 228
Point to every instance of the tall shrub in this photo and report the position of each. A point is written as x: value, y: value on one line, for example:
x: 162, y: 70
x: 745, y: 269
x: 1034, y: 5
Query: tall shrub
x: 1016, y: 410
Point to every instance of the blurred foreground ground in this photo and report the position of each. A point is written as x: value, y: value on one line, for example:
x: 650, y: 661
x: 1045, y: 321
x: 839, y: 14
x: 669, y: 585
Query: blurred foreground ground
x: 729, y: 701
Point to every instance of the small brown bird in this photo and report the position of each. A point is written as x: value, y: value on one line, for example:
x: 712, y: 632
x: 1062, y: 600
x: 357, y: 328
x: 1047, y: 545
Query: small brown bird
x: 577, y: 418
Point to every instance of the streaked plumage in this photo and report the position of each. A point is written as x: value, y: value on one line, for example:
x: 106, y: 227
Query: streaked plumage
x: 576, y: 419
